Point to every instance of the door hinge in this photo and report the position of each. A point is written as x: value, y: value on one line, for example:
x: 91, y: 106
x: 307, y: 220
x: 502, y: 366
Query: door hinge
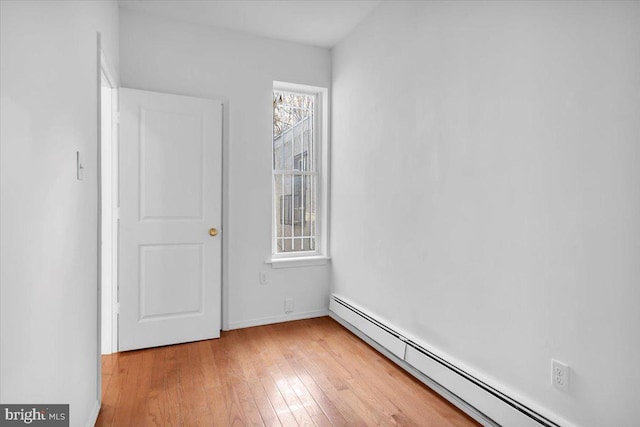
x: 116, y: 308
x: 116, y: 117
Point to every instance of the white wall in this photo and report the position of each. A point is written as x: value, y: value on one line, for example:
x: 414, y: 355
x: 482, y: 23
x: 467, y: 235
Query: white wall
x: 485, y: 190
x: 169, y: 56
x: 48, y: 220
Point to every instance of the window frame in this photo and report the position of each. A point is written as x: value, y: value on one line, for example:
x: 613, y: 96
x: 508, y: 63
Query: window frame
x: 321, y: 146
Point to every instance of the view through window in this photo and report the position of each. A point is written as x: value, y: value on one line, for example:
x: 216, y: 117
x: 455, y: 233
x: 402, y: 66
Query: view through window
x: 294, y: 172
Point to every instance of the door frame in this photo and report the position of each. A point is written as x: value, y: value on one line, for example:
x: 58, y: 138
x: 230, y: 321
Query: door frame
x: 108, y: 169
x: 108, y: 294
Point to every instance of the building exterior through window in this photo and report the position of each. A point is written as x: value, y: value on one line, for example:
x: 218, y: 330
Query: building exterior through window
x: 295, y: 172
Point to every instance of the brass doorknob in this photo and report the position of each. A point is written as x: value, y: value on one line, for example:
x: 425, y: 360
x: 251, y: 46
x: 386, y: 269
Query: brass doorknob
x: 213, y: 232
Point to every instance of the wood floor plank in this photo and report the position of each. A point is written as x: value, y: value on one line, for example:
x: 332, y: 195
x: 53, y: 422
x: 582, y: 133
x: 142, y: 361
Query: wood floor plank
x: 266, y: 348
x: 171, y: 382
x: 259, y: 347
x: 342, y: 380
x: 324, y: 401
x: 143, y: 370
x: 107, y: 373
x: 388, y: 375
x: 309, y: 372
x: 324, y: 365
x: 111, y: 393
x: 284, y: 362
x: 195, y: 390
x: 212, y: 381
x: 230, y: 378
x: 273, y: 355
x: 157, y: 412
x: 124, y: 410
x: 372, y: 386
x: 293, y: 354
x: 245, y: 359
x: 249, y: 413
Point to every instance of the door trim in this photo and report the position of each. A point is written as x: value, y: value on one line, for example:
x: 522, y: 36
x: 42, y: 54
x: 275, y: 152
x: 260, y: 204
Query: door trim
x: 109, y: 319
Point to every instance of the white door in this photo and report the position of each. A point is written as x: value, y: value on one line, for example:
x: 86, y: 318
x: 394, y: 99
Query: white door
x: 170, y: 210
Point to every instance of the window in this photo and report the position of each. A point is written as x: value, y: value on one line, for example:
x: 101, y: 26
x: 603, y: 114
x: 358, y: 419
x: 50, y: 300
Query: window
x: 299, y: 177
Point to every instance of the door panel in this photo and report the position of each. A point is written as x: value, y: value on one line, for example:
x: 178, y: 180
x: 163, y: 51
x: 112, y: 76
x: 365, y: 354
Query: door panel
x: 170, y: 178
x: 171, y: 157
x: 162, y: 266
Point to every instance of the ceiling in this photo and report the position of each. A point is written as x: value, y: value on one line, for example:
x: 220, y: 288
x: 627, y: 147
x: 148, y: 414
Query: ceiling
x: 314, y: 22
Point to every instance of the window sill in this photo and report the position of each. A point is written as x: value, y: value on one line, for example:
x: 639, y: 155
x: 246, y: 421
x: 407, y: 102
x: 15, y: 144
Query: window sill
x: 304, y: 261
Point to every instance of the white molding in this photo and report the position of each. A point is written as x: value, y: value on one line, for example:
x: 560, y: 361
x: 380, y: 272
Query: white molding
x: 111, y: 76
x: 109, y: 70
x: 393, y: 342
x: 93, y: 415
x: 296, y: 87
x: 303, y: 261
x: 277, y: 319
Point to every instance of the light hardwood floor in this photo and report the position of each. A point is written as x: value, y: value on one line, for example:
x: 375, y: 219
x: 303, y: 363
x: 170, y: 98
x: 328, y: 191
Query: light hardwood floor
x: 307, y: 372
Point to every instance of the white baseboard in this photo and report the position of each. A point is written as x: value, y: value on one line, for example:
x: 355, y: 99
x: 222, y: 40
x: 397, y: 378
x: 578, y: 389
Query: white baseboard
x: 93, y: 416
x: 277, y: 319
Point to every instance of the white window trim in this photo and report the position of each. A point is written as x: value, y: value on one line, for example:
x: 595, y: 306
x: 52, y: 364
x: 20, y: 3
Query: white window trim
x: 300, y: 261
x: 321, y: 255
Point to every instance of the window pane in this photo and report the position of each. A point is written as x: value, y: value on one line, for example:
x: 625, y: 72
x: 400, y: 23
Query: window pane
x: 294, y: 171
x: 291, y: 110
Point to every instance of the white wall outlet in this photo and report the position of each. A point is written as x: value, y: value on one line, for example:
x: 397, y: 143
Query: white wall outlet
x: 560, y: 375
x: 264, y: 279
x: 288, y: 305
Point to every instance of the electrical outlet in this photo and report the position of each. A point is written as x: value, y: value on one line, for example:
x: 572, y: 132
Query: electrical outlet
x: 288, y: 305
x: 560, y: 375
x: 263, y: 278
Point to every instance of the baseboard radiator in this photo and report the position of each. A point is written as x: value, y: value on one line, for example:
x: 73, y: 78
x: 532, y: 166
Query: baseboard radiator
x: 481, y: 401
